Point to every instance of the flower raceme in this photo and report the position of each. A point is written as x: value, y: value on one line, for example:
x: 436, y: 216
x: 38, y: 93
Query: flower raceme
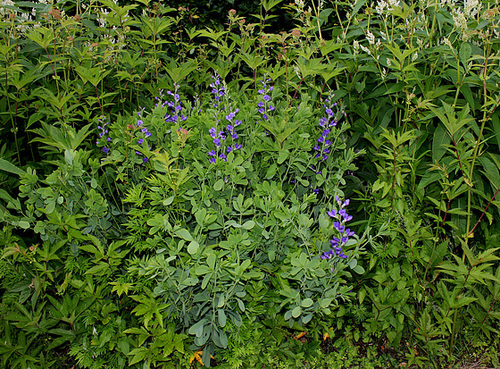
x: 225, y: 139
x: 174, y: 107
x: 341, y: 218
x: 103, y: 140
x: 329, y: 120
x: 264, y: 105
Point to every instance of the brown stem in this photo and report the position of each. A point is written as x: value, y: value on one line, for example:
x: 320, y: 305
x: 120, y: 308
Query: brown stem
x: 484, y: 211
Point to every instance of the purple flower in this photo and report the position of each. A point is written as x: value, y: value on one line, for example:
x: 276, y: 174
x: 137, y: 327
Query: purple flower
x: 105, y: 150
x: 332, y: 213
x: 341, y: 217
x: 140, y: 141
x: 145, y: 160
x: 263, y: 105
x: 139, y: 123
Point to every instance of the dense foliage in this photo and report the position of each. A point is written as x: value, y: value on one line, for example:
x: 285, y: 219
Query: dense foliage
x: 311, y: 184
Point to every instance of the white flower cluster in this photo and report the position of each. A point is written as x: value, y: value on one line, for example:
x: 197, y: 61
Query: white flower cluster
x: 24, y: 21
x: 3, y: 7
x: 370, y: 37
x: 472, y: 8
x: 300, y: 4
x: 383, y: 6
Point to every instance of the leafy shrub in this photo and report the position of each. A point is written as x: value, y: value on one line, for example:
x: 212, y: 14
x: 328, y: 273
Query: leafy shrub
x: 190, y: 221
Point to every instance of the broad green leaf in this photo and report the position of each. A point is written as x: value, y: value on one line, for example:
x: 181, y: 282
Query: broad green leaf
x: 440, y: 140
x: 9, y: 167
x: 221, y: 315
x: 218, y: 185
x: 249, y: 224
x: 296, y: 311
x: 193, y: 247
x: 306, y: 303
x: 184, y: 234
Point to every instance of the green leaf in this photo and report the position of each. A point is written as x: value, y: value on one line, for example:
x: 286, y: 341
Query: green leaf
x: 193, y: 247
x: 241, y: 304
x: 98, y: 269
x: 184, y: 234
x: 359, y: 269
x: 296, y: 311
x: 23, y: 224
x: 168, y: 200
x: 440, y: 140
x: 283, y: 155
x: 218, y: 185
x: 9, y: 167
x: 223, y: 339
x: 269, y: 4
x: 137, y: 354
x: 307, y: 303
x: 249, y: 224
x: 221, y: 315
x: 465, y: 53
x: 356, y: 8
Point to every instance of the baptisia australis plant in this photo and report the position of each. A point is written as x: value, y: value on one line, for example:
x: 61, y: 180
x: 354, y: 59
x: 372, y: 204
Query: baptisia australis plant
x: 329, y: 145
x: 341, y: 218
x: 143, y: 133
x: 225, y: 138
x: 103, y: 140
x: 140, y: 131
x: 329, y: 120
x: 265, y: 104
x: 174, y: 106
